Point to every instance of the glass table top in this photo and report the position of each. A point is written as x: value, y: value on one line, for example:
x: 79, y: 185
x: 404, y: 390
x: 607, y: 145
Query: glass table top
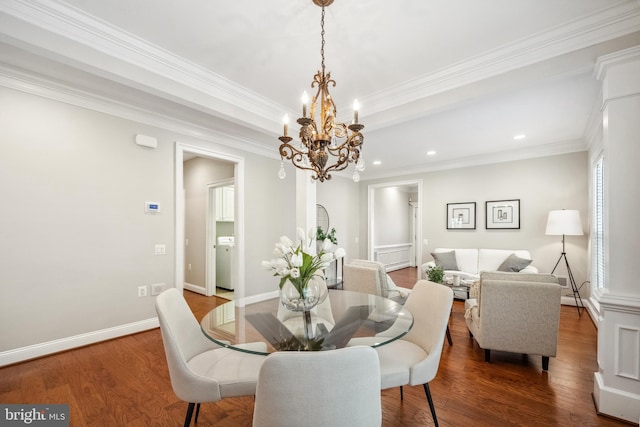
x: 344, y: 319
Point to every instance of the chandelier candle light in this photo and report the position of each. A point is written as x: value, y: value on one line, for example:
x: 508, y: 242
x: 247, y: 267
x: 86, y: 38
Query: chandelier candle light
x: 326, y: 136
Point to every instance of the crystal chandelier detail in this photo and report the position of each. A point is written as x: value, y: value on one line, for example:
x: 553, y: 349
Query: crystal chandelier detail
x: 325, y: 145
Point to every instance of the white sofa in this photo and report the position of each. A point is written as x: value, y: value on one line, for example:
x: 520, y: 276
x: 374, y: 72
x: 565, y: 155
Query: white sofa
x: 472, y: 262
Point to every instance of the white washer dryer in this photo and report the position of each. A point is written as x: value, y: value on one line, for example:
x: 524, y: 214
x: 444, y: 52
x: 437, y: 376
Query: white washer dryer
x: 224, y: 253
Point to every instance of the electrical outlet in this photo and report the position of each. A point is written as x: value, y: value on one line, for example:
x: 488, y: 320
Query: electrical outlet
x: 161, y: 250
x: 157, y: 288
x: 142, y: 291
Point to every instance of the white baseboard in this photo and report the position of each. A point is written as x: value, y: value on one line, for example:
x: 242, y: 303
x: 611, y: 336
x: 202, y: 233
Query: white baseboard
x: 397, y: 266
x: 568, y: 300
x: 588, y: 307
x: 37, y: 350
x: 195, y: 288
x: 241, y: 302
x: 615, y: 403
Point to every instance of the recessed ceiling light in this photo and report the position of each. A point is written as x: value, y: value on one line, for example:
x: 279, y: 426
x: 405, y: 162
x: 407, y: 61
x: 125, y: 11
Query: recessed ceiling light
x: 431, y: 153
x: 520, y: 136
x: 377, y: 162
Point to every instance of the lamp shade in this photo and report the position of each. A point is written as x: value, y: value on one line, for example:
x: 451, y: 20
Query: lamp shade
x: 564, y: 222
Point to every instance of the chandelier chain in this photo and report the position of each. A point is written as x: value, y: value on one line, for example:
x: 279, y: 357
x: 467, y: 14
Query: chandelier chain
x: 322, y: 36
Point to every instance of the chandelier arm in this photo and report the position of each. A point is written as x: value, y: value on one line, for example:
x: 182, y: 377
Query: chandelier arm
x: 288, y: 152
x: 341, y: 164
x: 340, y: 130
x: 297, y: 159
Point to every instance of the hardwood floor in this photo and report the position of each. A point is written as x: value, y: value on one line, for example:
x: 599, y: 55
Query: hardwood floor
x: 125, y: 382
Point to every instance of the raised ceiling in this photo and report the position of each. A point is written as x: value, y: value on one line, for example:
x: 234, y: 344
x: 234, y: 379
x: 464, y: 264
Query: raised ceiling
x: 459, y: 78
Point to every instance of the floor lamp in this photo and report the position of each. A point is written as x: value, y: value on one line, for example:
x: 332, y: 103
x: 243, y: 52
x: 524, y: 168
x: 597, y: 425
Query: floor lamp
x: 566, y: 223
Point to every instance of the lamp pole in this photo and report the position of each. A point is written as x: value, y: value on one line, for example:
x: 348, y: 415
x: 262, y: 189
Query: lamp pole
x: 574, y: 287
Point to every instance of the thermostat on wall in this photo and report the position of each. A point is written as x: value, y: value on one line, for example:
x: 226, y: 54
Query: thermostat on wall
x: 152, y: 207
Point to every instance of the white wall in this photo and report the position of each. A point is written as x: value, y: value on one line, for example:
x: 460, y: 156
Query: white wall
x: 270, y: 210
x: 75, y: 242
x: 541, y: 184
x: 340, y: 196
x: 392, y: 211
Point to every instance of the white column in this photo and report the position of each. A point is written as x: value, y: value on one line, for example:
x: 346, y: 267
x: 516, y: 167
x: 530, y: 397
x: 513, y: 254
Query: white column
x: 617, y: 382
x: 305, y: 201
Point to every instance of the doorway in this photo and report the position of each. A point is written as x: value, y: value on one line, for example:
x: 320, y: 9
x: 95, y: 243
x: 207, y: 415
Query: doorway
x: 220, y: 230
x: 205, y: 285
x: 402, y: 253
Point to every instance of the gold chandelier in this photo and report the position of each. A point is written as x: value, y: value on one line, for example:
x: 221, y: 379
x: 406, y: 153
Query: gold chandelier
x: 326, y: 137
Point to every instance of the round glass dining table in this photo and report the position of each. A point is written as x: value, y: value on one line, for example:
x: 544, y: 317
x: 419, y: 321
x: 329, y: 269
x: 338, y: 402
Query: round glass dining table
x: 343, y: 319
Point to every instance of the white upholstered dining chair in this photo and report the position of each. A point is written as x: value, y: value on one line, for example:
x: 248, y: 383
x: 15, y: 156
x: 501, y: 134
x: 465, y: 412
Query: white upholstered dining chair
x: 200, y: 370
x: 414, y: 359
x: 319, y: 388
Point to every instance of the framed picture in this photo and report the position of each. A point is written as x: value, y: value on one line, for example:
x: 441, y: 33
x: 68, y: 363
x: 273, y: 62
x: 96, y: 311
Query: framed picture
x: 503, y: 214
x: 461, y: 216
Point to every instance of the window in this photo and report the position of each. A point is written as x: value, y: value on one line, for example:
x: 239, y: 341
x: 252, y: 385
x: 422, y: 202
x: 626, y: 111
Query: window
x: 598, y: 224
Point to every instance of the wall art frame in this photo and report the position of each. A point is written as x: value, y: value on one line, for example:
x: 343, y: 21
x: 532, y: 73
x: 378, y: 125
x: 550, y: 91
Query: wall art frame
x: 461, y: 216
x: 502, y: 214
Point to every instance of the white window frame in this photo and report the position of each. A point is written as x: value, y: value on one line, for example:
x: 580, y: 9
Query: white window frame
x: 598, y: 232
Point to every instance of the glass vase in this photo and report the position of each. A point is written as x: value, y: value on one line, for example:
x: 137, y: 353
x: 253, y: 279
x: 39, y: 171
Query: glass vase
x: 313, y: 293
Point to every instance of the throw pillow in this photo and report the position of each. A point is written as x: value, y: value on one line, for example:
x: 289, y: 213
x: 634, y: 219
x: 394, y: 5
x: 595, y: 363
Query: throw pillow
x: 446, y: 260
x: 514, y: 263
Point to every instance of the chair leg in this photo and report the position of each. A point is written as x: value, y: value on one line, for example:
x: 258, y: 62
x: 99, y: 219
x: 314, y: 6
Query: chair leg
x: 449, y: 336
x: 187, y: 419
x: 545, y: 363
x: 197, y: 412
x: 401, y: 393
x: 431, y: 406
x: 487, y: 355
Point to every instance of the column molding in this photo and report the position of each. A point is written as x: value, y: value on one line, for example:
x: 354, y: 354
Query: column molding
x: 616, y: 389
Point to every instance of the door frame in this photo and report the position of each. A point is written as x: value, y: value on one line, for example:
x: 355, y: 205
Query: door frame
x: 237, y: 267
x: 414, y: 233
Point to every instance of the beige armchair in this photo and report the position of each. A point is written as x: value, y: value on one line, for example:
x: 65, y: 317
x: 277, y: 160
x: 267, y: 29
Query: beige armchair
x: 517, y: 313
x: 371, y: 277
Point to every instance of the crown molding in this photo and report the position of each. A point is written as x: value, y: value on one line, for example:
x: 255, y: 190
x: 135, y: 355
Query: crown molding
x: 603, y: 63
x: 180, y: 78
x: 113, y: 47
x: 37, y: 85
x: 596, y: 28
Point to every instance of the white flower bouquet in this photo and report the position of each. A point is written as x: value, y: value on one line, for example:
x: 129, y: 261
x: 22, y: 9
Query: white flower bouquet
x: 297, y: 264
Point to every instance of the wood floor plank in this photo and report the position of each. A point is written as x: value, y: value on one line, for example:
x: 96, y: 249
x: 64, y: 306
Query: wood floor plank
x: 125, y: 382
